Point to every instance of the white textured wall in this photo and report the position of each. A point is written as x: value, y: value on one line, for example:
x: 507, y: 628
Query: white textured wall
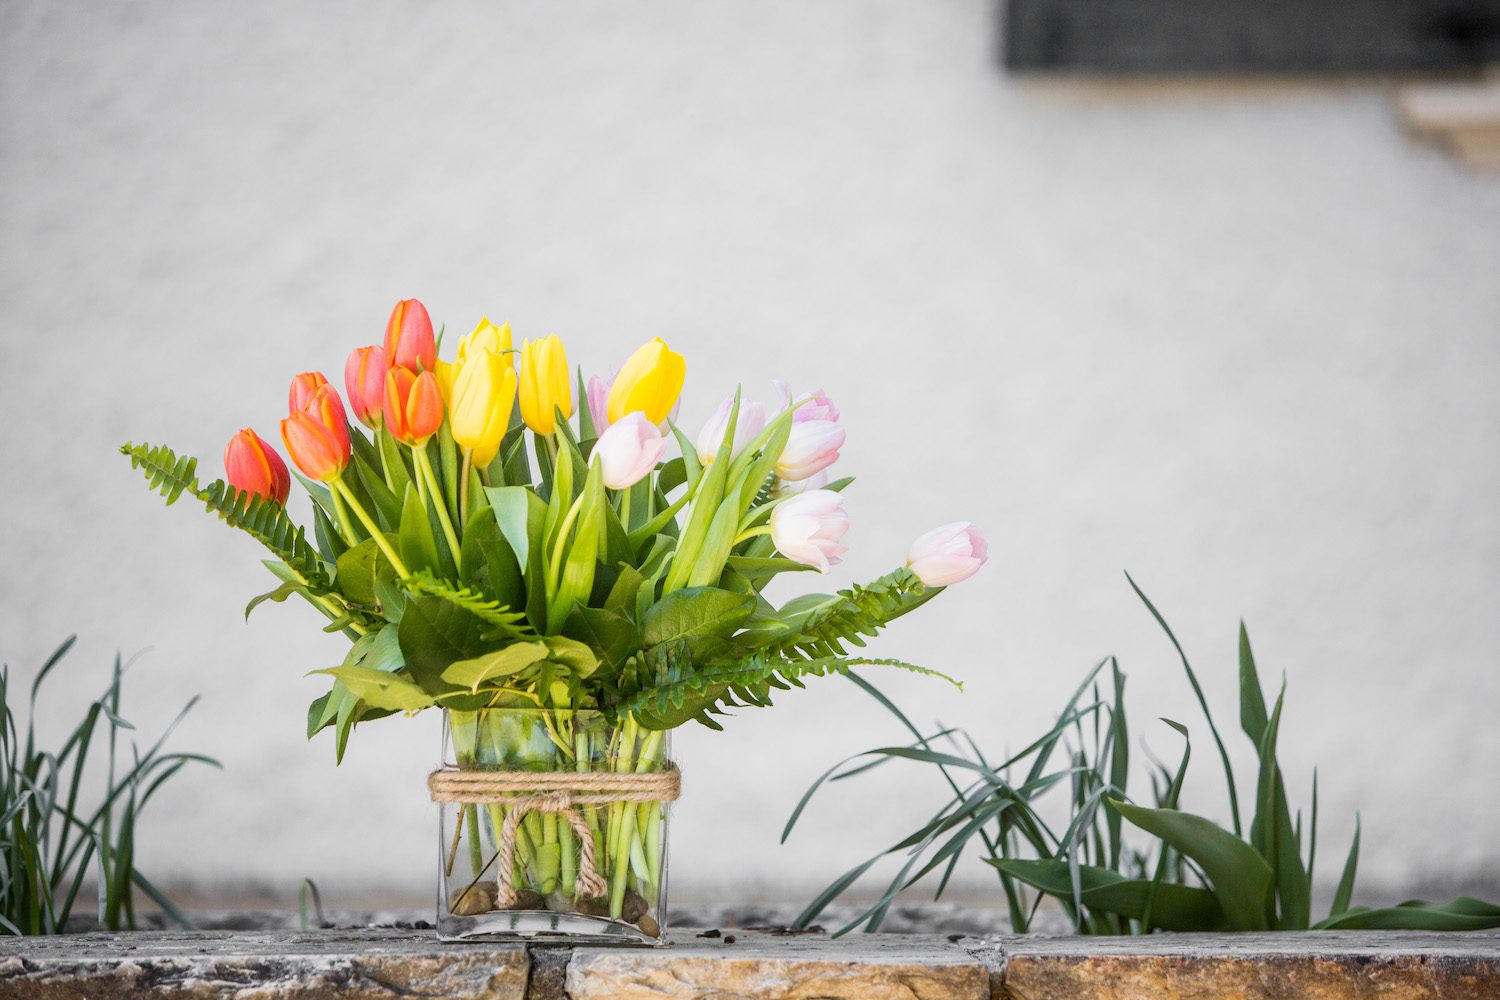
x: 1242, y: 340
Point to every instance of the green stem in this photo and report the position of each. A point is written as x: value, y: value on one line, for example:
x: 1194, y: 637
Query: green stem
x: 424, y: 469
x: 373, y: 529
x: 764, y: 529
x: 341, y: 515
x: 385, y: 468
x: 625, y: 509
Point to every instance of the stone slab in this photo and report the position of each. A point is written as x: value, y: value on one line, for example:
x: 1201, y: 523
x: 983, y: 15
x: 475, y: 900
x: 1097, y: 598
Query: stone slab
x: 1323, y: 965
x: 763, y: 964
x: 386, y: 963
x: 259, y: 965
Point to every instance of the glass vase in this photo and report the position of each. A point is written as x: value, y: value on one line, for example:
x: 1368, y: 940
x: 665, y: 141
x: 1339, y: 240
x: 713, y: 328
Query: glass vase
x: 548, y: 897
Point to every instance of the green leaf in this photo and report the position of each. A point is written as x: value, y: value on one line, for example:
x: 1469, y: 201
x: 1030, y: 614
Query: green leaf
x: 500, y: 663
x: 1241, y: 879
x: 607, y: 632
x: 511, y: 624
x: 759, y: 570
x: 435, y: 633
x: 276, y: 596
x: 521, y: 514
x: 380, y: 688
x: 1172, y: 907
x: 572, y: 654
x: 622, y: 596
x: 1462, y: 914
x: 1252, y: 702
x: 1345, y: 890
x: 357, y: 570
x: 699, y: 611
x: 418, y: 544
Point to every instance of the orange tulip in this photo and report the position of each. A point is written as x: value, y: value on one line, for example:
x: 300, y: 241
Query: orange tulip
x: 408, y: 337
x: 317, y: 436
x: 413, y: 405
x: 252, y: 466
x: 364, y: 381
x: 303, y: 388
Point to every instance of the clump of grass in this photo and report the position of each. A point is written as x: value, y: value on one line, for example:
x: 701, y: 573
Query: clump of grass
x: 1178, y: 871
x: 50, y: 840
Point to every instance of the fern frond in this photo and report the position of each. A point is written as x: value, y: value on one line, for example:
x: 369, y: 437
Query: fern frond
x: 682, y: 691
x: 265, y: 520
x: 850, y: 617
x: 512, y: 623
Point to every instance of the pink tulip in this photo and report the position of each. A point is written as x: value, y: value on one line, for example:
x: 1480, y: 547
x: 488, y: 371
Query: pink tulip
x: 948, y: 554
x: 629, y: 450
x: 817, y: 407
x: 807, y: 527
x: 816, y: 481
x: 598, y: 400
x: 812, y: 447
x: 364, y: 384
x: 750, y: 422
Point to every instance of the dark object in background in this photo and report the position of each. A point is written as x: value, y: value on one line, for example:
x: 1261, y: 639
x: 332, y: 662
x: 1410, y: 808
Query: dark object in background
x: 1250, y: 36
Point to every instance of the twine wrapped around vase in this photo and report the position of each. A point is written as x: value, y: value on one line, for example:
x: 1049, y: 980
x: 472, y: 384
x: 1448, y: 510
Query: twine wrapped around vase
x: 560, y: 792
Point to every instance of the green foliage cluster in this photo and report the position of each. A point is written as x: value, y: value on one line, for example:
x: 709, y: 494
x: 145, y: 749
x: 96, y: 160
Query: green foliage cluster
x: 522, y: 586
x: 1192, y: 875
x: 51, y: 838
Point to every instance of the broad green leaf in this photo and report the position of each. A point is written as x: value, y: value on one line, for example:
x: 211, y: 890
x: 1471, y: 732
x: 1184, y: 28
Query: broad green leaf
x: 511, y: 659
x: 435, y: 633
x: 418, y: 546
x: 276, y: 596
x: 358, y: 569
x: 761, y: 569
x: 1242, y: 881
x: 571, y: 653
x: 1173, y: 907
x: 700, y: 611
x: 1462, y: 914
x: 380, y: 688
x: 607, y: 632
x: 622, y: 596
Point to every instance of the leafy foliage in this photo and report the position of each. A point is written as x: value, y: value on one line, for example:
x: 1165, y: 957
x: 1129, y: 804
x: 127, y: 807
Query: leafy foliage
x: 1192, y: 875
x: 465, y: 588
x: 50, y: 839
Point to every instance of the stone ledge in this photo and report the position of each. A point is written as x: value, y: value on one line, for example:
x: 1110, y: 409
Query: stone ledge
x: 380, y: 964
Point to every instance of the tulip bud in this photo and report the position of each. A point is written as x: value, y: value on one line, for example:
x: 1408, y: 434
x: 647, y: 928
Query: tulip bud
x: 598, y: 402
x: 413, y: 406
x: 629, y: 450
x: 317, y: 436
x: 408, y: 337
x: 649, y: 383
x: 750, y: 422
x: 948, y: 554
x: 815, y: 405
x: 816, y: 481
x: 486, y: 337
x: 304, y: 387
x: 480, y: 405
x: 806, y: 528
x: 545, y: 386
x: 364, y: 384
x: 811, y: 447
x: 252, y: 466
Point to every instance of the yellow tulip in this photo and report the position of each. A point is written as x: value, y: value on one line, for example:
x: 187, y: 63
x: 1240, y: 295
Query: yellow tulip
x: 483, y: 393
x: 650, y: 383
x: 545, y: 386
x: 486, y: 337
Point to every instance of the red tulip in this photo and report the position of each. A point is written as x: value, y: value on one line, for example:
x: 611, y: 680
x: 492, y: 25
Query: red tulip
x: 303, y: 388
x: 408, y: 337
x: 252, y: 466
x: 317, y: 436
x: 364, y: 381
x: 413, y: 405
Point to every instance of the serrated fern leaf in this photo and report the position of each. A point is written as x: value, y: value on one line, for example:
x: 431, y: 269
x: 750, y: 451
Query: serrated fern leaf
x: 853, y: 615
x: 750, y: 680
x: 512, y: 623
x: 263, y: 519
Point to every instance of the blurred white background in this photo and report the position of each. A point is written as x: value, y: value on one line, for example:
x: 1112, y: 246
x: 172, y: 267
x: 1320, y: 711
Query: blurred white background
x: 1241, y: 339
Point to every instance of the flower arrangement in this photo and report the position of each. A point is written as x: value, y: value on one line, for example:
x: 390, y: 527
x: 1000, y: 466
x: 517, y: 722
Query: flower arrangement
x: 486, y: 554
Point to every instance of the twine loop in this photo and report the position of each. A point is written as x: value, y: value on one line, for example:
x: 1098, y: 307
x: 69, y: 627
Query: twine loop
x: 559, y: 792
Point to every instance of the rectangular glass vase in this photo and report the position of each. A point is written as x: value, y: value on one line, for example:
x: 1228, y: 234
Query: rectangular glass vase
x: 548, y: 899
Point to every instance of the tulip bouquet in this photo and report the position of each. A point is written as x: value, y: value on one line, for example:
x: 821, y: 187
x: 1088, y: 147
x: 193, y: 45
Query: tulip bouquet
x: 488, y: 555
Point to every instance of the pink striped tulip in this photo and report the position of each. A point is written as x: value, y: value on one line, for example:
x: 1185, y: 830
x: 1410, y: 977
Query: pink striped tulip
x: 252, y: 466
x: 364, y: 383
